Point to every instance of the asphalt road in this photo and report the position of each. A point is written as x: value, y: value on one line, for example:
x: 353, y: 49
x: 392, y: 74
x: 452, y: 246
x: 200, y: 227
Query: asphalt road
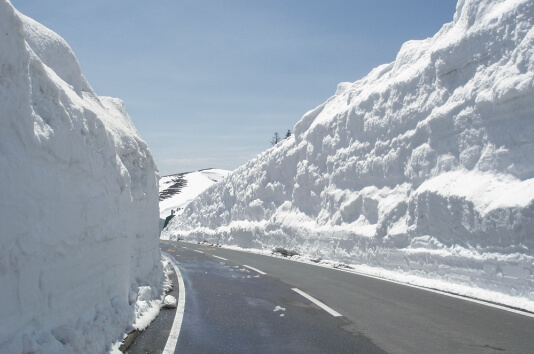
x: 233, y: 309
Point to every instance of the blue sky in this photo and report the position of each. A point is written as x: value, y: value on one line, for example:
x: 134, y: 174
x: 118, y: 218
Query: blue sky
x: 208, y: 82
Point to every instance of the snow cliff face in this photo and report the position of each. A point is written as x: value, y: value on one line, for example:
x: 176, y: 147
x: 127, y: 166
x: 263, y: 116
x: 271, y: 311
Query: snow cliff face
x: 79, y: 261
x: 424, y: 166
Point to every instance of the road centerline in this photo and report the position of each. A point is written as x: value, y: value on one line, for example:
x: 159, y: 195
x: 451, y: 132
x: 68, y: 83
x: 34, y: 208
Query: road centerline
x: 318, y: 303
x: 224, y: 259
x: 254, y: 269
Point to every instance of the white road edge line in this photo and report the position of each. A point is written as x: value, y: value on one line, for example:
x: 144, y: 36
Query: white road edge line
x: 172, y: 340
x: 441, y: 292
x: 198, y: 251
x: 318, y: 303
x: 507, y: 308
x: 254, y: 269
x: 224, y: 259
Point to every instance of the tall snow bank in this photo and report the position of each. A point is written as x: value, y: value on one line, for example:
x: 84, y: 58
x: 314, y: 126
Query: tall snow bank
x: 79, y: 257
x: 424, y: 167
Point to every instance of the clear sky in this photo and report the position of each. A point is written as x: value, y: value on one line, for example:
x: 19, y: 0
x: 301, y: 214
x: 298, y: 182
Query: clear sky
x: 208, y: 82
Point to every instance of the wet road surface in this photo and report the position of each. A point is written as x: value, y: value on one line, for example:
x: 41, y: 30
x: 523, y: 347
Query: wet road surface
x: 231, y: 308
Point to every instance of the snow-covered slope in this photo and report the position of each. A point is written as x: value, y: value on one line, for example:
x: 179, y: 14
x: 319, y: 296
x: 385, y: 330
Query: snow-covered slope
x: 176, y: 191
x: 424, y: 167
x: 79, y: 257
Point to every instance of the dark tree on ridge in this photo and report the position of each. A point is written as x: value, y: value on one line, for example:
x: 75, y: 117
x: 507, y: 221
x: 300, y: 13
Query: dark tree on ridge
x: 276, y: 139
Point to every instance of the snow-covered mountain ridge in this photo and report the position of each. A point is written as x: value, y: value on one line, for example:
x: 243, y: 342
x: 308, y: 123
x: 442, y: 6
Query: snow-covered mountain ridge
x: 178, y: 190
x: 79, y: 263
x: 423, y: 167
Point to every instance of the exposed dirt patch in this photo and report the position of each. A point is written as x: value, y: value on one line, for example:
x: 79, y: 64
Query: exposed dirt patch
x: 178, y: 183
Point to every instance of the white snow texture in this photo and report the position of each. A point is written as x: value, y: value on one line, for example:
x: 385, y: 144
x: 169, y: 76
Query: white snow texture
x: 195, y: 183
x: 424, y: 167
x: 79, y: 258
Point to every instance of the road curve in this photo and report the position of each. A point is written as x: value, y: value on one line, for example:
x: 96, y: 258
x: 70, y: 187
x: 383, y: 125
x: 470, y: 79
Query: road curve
x: 396, y: 318
x: 242, y: 302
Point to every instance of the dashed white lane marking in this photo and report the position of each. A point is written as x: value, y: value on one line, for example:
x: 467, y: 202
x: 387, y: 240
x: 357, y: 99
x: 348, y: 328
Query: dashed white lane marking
x: 460, y: 297
x: 254, y: 269
x: 224, y: 259
x: 318, y: 303
x: 172, y: 340
x: 441, y: 292
x: 198, y: 251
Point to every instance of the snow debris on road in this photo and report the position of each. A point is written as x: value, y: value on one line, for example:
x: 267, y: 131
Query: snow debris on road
x: 80, y: 264
x: 279, y: 308
x: 170, y: 302
x: 422, y: 171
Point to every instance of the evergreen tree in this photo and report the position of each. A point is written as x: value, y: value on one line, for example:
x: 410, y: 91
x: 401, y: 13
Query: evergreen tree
x: 288, y: 134
x: 276, y: 139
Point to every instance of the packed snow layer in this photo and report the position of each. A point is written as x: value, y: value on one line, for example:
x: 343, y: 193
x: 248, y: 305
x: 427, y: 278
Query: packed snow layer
x: 424, y: 167
x: 79, y: 262
x: 176, y: 191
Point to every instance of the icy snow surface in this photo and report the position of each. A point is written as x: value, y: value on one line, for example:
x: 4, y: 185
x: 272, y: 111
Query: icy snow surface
x: 422, y: 170
x: 79, y: 259
x: 176, y: 191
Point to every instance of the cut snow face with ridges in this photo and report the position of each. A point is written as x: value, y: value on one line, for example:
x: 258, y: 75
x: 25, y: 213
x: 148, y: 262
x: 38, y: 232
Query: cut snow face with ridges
x: 80, y: 264
x: 424, y: 167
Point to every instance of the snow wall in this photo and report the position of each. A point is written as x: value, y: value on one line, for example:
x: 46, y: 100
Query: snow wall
x: 79, y: 258
x: 423, y: 168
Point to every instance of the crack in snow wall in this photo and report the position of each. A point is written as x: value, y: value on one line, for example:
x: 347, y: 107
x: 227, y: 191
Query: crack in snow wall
x: 424, y: 166
x: 79, y: 262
